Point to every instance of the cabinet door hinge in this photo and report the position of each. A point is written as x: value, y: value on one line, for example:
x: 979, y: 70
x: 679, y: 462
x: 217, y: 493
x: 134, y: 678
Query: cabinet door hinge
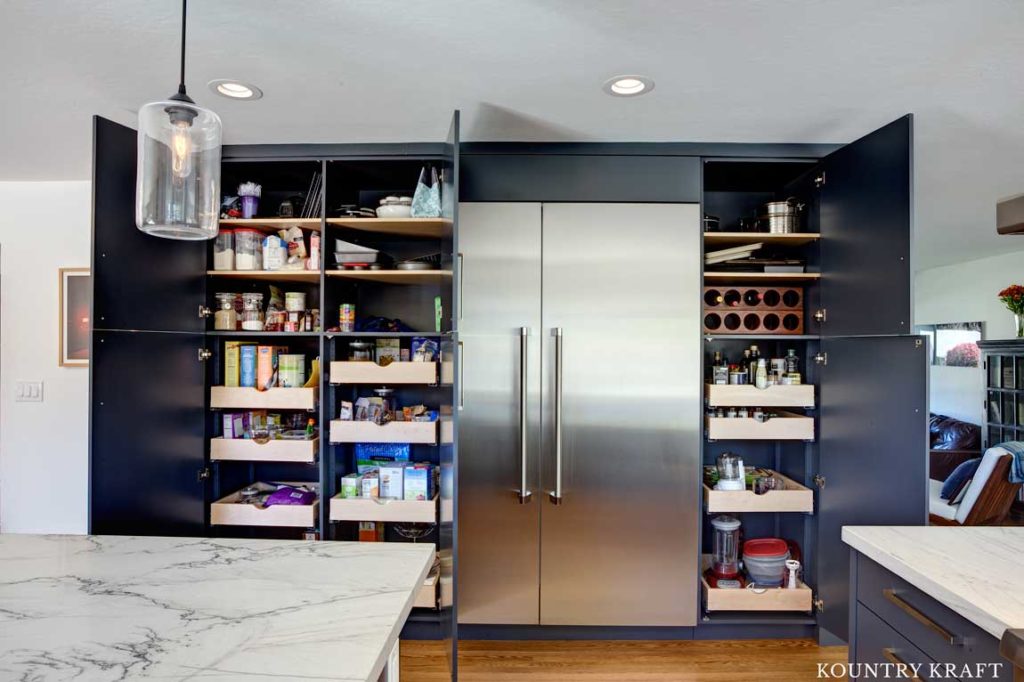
x: 820, y: 315
x: 819, y: 481
x: 203, y: 474
x: 819, y: 604
x: 819, y: 179
x: 204, y: 354
x: 204, y: 312
x: 821, y: 358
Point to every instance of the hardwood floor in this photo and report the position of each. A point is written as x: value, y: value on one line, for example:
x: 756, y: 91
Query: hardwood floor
x: 621, y: 661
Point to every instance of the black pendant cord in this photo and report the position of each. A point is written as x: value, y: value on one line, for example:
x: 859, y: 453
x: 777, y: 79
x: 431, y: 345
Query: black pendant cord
x: 184, y: 14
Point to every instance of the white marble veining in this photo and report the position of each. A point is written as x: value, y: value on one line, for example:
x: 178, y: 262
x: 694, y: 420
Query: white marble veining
x: 975, y: 571
x: 101, y: 608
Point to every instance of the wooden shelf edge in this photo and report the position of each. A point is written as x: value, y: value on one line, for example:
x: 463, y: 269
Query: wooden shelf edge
x: 272, y: 224
x: 795, y: 498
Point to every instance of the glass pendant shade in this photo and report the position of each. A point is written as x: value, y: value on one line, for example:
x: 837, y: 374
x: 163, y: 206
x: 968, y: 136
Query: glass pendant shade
x: 177, y: 189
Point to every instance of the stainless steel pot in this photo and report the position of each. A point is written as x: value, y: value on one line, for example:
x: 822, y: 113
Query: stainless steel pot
x: 782, y: 223
x: 790, y: 205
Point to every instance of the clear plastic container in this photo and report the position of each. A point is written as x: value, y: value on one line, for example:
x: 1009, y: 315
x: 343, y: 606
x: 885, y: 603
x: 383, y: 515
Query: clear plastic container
x: 252, y: 312
x: 224, y: 250
x: 248, y: 250
x: 226, y: 318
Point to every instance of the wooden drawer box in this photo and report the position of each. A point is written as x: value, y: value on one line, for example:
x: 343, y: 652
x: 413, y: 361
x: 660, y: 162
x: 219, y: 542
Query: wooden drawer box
x: 350, y: 372
x: 926, y: 623
x: 723, y: 395
x: 783, y: 426
x: 392, y: 432
x: 247, y: 450
x: 374, y: 509
x: 426, y: 598
x: 228, y: 512
x: 793, y: 498
x: 742, y: 599
x: 876, y: 642
x: 224, y: 397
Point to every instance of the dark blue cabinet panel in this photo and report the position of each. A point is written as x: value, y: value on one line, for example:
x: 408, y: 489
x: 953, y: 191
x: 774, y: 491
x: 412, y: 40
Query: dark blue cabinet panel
x: 873, y: 452
x: 147, y: 434
x: 139, y: 281
x: 865, y: 220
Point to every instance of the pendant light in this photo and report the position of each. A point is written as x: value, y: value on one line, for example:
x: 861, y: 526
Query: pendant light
x: 177, y: 189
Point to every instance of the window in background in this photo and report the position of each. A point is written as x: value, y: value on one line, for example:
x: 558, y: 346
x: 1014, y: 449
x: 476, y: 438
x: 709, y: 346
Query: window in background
x: 954, y: 344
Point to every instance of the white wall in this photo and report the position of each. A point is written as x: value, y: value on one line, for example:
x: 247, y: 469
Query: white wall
x: 966, y: 292
x: 43, y: 446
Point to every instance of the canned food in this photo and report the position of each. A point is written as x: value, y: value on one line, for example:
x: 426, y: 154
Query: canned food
x: 347, y: 317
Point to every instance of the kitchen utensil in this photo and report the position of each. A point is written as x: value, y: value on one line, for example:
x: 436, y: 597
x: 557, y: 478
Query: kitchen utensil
x: 711, y: 223
x: 725, y: 546
x: 765, y: 561
x: 731, y: 475
x: 781, y: 217
x: 395, y: 207
x: 428, y: 262
x: 361, y: 257
x: 792, y: 569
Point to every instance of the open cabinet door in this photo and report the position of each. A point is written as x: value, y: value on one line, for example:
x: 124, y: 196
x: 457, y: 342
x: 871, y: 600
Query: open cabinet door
x: 139, y: 281
x: 146, y: 413
x: 873, y: 452
x: 449, y: 453
x: 865, y: 216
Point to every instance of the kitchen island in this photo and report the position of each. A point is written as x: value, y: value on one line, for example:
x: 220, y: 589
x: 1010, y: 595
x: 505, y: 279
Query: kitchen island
x: 946, y: 599
x: 117, y: 607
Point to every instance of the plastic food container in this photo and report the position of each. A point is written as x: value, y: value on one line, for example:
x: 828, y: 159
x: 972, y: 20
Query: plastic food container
x: 765, y: 561
x: 248, y: 252
x: 295, y: 301
x: 224, y: 250
x: 395, y: 207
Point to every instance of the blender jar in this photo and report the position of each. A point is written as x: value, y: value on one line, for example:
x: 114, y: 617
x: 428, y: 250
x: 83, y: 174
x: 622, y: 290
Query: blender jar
x: 725, y: 560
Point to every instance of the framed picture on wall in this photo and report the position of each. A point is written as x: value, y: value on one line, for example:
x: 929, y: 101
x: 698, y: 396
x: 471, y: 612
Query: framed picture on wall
x: 954, y: 344
x: 75, y: 296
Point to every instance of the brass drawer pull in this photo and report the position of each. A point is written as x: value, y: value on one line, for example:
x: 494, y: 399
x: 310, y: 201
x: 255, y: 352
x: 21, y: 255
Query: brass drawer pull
x: 924, y: 620
x: 890, y: 655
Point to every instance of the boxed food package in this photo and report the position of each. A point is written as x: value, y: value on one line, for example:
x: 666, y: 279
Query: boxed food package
x: 236, y: 424
x: 419, y: 481
x: 267, y: 366
x: 389, y: 452
x: 370, y: 484
x: 345, y: 413
x: 233, y: 362
x: 291, y: 370
x: 371, y: 531
x: 388, y: 351
x: 392, y: 482
x: 351, y: 485
x: 247, y: 365
x: 423, y: 349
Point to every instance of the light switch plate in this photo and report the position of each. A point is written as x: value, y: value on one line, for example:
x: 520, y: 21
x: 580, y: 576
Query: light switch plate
x: 29, y: 392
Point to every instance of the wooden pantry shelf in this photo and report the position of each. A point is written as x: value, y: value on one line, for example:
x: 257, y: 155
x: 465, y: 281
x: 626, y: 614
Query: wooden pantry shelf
x: 404, y: 227
x: 272, y: 224
x: 783, y: 426
x: 426, y: 598
x: 229, y: 511
x: 248, y: 450
x: 726, y: 239
x: 365, y: 372
x: 747, y: 395
x: 377, y: 509
x: 392, y: 432
x: 310, y: 276
x: 760, y: 599
x: 792, y: 497
x: 761, y: 277
x: 394, y: 276
x: 239, y: 397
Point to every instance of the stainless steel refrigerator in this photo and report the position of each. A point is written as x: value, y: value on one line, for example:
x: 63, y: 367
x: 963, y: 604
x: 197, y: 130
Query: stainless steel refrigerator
x: 579, y: 429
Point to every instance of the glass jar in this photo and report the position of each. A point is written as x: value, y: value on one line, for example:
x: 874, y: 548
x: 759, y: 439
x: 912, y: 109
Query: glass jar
x: 360, y: 351
x: 725, y: 559
x: 226, y: 318
x: 252, y: 312
x: 248, y: 250
x: 731, y: 475
x: 224, y: 250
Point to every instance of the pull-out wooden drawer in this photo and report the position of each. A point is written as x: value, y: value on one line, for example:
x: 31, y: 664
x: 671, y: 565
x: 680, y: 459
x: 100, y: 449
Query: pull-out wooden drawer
x: 228, y: 511
x: 351, y: 372
x: 747, y: 395
x: 242, y: 398
x: 248, y: 450
x: 792, y: 497
x: 939, y: 632
x: 782, y: 426
x: 378, y: 509
x: 392, y: 432
x: 879, y: 644
x: 763, y: 599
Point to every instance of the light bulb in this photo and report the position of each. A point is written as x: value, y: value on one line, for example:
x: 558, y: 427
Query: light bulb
x: 181, y: 149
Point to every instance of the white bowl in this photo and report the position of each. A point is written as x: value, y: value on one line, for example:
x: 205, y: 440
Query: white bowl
x: 394, y: 211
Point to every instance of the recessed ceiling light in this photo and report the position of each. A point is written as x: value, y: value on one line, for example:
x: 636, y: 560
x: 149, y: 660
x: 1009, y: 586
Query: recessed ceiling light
x: 628, y: 86
x: 235, y: 89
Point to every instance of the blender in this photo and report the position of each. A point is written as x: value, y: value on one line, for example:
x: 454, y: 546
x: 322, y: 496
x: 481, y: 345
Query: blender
x: 725, y: 559
x: 731, y: 475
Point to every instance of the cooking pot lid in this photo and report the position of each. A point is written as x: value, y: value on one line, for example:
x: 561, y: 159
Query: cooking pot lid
x: 764, y: 548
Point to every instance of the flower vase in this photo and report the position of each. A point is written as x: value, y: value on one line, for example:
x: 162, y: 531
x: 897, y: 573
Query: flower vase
x: 1018, y: 319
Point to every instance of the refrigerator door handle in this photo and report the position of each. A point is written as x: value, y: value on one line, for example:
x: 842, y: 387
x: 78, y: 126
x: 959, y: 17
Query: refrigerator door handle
x: 523, y: 493
x: 462, y: 374
x: 555, y: 496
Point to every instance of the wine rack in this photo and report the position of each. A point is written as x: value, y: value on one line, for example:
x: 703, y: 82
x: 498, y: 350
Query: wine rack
x: 754, y: 298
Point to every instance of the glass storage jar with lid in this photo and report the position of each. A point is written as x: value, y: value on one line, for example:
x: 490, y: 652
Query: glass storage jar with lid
x: 361, y: 351
x: 226, y: 317
x: 224, y: 250
x: 248, y: 249
x: 252, y: 312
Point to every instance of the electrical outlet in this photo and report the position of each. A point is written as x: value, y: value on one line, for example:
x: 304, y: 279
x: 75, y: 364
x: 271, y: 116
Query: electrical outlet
x: 29, y: 392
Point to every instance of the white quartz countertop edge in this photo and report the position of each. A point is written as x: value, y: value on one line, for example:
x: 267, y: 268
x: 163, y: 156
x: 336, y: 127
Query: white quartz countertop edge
x: 396, y: 631
x: 973, y: 571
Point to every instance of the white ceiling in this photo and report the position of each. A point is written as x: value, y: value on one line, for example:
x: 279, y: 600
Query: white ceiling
x: 393, y: 70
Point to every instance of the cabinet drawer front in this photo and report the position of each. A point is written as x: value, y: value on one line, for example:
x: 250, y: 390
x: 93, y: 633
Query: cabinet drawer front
x: 879, y: 644
x: 922, y: 620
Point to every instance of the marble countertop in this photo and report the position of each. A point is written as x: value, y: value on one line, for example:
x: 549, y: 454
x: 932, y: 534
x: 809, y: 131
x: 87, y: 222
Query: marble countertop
x: 114, y: 608
x: 975, y: 571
